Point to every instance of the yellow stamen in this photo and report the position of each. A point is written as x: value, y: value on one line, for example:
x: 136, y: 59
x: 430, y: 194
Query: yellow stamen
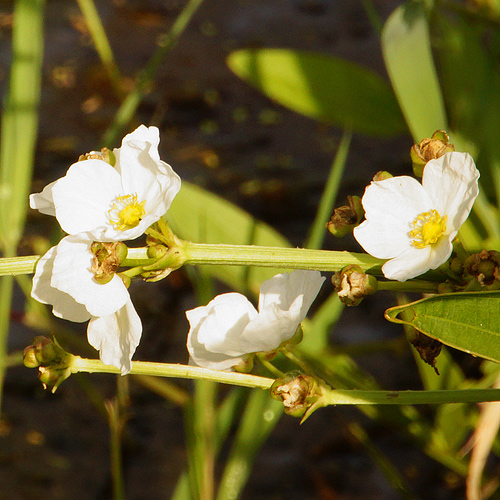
x: 428, y: 228
x: 126, y: 212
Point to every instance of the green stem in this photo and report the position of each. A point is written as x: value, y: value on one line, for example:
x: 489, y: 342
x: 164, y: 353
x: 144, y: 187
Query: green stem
x: 234, y: 255
x: 175, y: 371
x: 359, y: 397
x: 330, y: 396
x: 408, y: 286
x: 291, y: 258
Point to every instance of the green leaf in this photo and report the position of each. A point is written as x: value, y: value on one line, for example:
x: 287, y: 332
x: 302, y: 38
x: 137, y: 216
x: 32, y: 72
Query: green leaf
x: 407, y: 53
x: 466, y: 321
x: 322, y: 87
x: 203, y: 217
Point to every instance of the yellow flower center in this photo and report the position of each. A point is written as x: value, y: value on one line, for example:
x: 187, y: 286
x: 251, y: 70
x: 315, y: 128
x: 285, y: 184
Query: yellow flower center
x: 126, y: 212
x: 428, y: 228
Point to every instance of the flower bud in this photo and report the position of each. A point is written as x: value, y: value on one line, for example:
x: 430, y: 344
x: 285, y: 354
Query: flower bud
x: 430, y: 149
x: 483, y: 268
x: 51, y: 376
x: 107, y: 259
x: 105, y: 155
x: 347, y: 217
x: 157, y: 251
x: 53, y: 362
x: 297, y: 391
x: 352, y: 285
x: 382, y: 176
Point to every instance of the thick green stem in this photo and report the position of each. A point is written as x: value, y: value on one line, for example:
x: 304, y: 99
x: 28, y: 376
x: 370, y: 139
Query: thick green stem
x: 291, y: 258
x: 234, y: 255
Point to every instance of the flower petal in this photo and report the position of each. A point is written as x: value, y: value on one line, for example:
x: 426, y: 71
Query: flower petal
x: 390, y: 207
x: 223, y: 322
x: 283, y: 290
x: 452, y: 184
x: 116, y: 336
x: 416, y: 261
x: 72, y: 274
x: 84, y: 196
x: 44, y: 202
x: 63, y: 305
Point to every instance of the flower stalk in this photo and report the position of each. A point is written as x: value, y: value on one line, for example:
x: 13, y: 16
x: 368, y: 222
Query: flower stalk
x: 329, y: 397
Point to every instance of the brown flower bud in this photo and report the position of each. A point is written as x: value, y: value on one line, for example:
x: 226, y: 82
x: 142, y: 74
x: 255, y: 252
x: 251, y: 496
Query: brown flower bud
x: 484, y: 269
x: 352, y: 285
x: 430, y: 149
x: 107, y: 259
x: 297, y: 391
x: 347, y: 217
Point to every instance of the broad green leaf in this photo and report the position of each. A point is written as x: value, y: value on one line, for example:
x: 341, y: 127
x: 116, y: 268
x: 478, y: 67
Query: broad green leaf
x: 203, y: 217
x: 325, y: 88
x: 466, y: 321
x: 407, y: 53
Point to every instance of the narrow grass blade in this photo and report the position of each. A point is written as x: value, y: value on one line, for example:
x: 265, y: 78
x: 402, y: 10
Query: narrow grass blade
x: 329, y: 196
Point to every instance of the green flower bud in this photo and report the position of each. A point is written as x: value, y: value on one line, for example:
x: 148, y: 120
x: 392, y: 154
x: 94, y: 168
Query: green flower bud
x: 382, y: 176
x: 157, y: 251
x: 29, y: 357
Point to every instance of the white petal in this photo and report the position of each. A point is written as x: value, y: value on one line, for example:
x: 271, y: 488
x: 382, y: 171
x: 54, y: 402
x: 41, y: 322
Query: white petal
x: 63, y: 305
x: 417, y: 261
x: 223, y: 322
x: 271, y: 327
x: 215, y: 331
x: 44, y: 201
x: 390, y: 207
x: 84, y: 196
x: 452, y: 184
x: 116, y: 336
x: 283, y: 290
x: 72, y: 275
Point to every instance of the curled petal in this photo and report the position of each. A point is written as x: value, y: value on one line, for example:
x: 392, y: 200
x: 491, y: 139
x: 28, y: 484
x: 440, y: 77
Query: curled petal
x: 44, y: 202
x: 116, y: 336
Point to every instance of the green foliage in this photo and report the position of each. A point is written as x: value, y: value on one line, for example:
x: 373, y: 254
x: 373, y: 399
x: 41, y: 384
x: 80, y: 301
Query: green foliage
x: 200, y: 216
x: 467, y: 321
x: 325, y: 88
x: 406, y: 47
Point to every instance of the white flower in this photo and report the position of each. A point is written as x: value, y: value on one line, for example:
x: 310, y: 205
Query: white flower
x: 64, y: 279
x: 113, y: 203
x: 229, y: 327
x: 414, y: 224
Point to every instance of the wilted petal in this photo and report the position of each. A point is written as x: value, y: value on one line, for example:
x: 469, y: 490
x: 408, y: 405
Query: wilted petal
x: 116, y: 336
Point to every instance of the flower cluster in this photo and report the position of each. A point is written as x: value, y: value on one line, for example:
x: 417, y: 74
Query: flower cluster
x: 412, y: 224
x: 109, y: 197
x: 103, y: 202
